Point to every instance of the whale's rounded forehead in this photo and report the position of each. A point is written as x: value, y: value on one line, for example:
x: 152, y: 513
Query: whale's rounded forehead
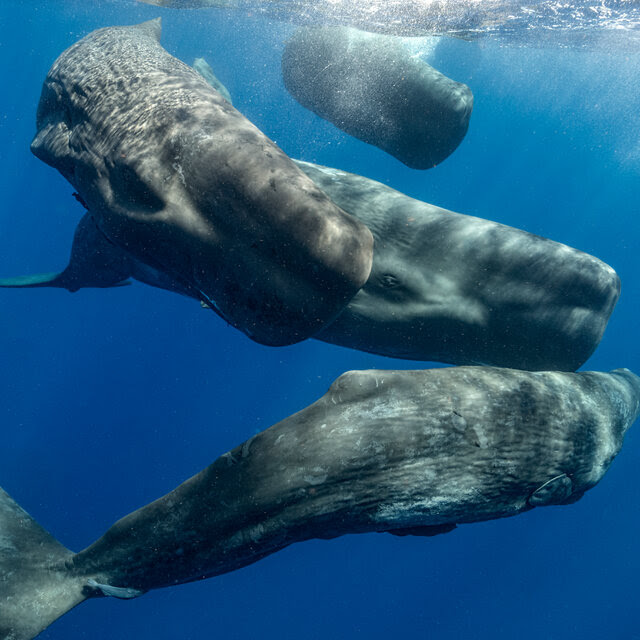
x: 121, y: 60
x: 185, y: 183
x: 107, y: 42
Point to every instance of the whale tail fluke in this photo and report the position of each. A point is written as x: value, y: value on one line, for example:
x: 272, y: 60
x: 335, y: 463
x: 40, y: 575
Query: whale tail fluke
x: 39, y: 280
x: 36, y: 587
x: 61, y: 280
x: 95, y: 262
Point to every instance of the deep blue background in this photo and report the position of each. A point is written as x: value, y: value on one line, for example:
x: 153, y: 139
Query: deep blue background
x: 109, y: 399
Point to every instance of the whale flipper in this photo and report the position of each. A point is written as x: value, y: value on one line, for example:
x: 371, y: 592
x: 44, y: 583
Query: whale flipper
x: 94, y: 262
x: 36, y: 586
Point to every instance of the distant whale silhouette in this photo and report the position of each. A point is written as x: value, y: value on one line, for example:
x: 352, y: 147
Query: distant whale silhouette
x: 443, y: 286
x: 408, y: 452
x: 371, y: 87
x: 178, y: 179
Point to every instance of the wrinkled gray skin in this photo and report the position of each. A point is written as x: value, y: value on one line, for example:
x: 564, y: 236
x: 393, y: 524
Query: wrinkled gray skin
x: 407, y: 452
x: 443, y: 286
x: 453, y: 288
x: 181, y: 181
x: 371, y: 87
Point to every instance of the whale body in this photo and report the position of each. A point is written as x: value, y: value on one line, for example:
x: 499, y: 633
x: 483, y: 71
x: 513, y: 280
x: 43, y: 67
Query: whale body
x: 443, y: 286
x: 454, y: 288
x: 178, y: 179
x: 404, y: 452
x: 372, y: 88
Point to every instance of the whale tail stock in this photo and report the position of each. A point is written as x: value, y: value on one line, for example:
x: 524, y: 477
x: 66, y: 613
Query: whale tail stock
x: 36, y: 587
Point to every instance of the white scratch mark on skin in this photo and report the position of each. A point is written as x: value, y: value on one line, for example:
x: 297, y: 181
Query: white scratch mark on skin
x: 178, y: 169
x: 246, y: 446
x: 123, y: 593
x: 319, y: 477
x: 483, y: 440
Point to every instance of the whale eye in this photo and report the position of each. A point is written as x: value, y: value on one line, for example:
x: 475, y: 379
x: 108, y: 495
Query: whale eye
x: 389, y: 281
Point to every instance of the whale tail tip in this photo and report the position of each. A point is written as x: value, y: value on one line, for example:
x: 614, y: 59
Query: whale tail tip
x: 63, y: 280
x: 39, y: 280
x: 36, y: 587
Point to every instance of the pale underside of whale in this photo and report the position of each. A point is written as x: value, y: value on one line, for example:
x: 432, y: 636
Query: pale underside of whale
x: 406, y: 452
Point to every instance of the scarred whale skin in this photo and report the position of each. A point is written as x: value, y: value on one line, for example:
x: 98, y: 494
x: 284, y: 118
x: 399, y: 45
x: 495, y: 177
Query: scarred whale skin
x: 407, y: 452
x: 372, y: 88
x: 180, y: 180
x: 454, y: 288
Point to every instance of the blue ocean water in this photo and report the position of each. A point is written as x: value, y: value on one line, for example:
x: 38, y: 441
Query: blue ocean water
x: 111, y: 398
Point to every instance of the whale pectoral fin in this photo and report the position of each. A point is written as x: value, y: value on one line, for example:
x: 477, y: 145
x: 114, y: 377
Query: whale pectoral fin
x: 204, y: 69
x: 95, y: 262
x: 35, y: 586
